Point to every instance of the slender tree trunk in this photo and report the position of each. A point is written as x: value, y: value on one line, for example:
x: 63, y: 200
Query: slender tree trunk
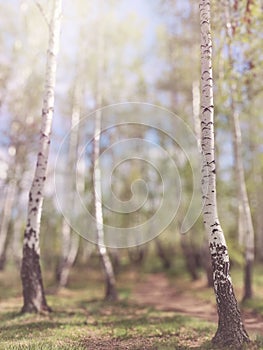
x: 16, y: 243
x: 111, y: 291
x: 166, y: 261
x: 245, y: 224
x: 70, y: 247
x: 231, y: 331
x: 205, y: 258
x: 189, y: 256
x: 5, y: 220
x: 33, y: 290
x: 257, y: 195
x: 70, y: 240
x: 246, y: 219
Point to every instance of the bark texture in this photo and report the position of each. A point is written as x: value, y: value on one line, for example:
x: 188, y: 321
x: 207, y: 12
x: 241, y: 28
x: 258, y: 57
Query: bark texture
x: 33, y: 291
x: 231, y: 331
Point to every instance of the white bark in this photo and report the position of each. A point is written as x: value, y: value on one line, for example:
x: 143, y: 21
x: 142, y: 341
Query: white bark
x: 105, y: 259
x: 36, y: 191
x: 33, y: 291
x: 231, y: 331
x: 243, y: 197
x: 70, y: 247
x: 70, y: 240
x: 214, y: 230
x: 111, y: 292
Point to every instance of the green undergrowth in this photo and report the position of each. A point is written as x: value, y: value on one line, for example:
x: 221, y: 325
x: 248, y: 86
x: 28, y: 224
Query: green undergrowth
x: 82, y: 320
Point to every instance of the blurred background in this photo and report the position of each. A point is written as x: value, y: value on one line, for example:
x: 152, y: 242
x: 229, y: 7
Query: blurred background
x: 149, y: 53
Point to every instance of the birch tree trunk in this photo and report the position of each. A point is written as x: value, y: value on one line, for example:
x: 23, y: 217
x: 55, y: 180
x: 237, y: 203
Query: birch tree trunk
x: 205, y: 260
x: 33, y: 290
x: 16, y: 244
x: 111, y: 292
x: 245, y: 224
x: 246, y: 218
x: 231, y: 331
x: 5, y: 220
x: 70, y: 240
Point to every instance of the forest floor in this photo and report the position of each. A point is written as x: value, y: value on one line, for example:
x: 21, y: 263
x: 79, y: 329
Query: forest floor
x: 156, y: 311
x: 159, y: 292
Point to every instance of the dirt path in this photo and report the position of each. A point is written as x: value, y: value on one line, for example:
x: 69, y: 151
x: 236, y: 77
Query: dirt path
x: 157, y: 291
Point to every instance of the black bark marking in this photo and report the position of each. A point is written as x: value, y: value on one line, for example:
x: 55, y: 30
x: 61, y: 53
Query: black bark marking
x: 33, y: 209
x: 215, y: 224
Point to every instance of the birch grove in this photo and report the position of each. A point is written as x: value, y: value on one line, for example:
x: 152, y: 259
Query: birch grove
x: 33, y: 290
x: 231, y: 331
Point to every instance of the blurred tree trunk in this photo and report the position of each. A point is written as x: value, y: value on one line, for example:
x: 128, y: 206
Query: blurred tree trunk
x: 137, y: 254
x: 5, y: 220
x: 258, y: 191
x: 245, y: 224
x: 16, y: 244
x: 245, y: 218
x: 116, y: 259
x: 70, y: 240
x: 165, y: 259
x: 70, y: 247
x: 33, y: 290
x: 189, y: 255
x: 231, y: 331
x: 111, y: 291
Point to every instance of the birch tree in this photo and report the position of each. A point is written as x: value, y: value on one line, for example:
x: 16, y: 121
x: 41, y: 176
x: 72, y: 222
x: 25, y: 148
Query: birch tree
x: 71, y: 240
x: 231, y: 331
x: 111, y: 292
x: 205, y: 254
x: 245, y: 224
x: 5, y: 220
x: 33, y: 290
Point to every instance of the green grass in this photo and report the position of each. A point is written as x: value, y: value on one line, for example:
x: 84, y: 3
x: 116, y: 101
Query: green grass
x: 100, y: 324
x: 82, y: 320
